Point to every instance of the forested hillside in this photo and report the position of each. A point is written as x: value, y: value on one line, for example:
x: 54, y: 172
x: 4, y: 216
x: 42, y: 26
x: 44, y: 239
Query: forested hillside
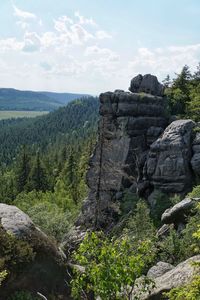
x: 12, y: 99
x: 65, y: 125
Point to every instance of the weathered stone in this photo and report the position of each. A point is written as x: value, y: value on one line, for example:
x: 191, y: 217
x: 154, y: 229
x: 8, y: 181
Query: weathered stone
x: 47, y: 273
x: 159, y: 269
x: 178, y: 276
x: 195, y: 161
x: 178, y: 212
x: 168, y: 163
x: 147, y: 84
x: 128, y: 124
x: 164, y: 230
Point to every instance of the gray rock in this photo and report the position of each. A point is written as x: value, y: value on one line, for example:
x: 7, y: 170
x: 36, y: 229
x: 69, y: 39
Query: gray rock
x: 128, y: 123
x: 47, y: 273
x: 164, y: 230
x: 195, y: 161
x: 168, y: 164
x: 178, y: 212
x: 159, y: 269
x: 147, y: 84
x: 178, y: 276
x: 15, y: 221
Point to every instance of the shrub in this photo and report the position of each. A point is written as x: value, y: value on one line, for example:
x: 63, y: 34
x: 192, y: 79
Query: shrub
x: 140, y: 225
x: 128, y: 202
x: 161, y: 203
x: 190, y: 291
x: 23, y: 295
x: 111, y: 266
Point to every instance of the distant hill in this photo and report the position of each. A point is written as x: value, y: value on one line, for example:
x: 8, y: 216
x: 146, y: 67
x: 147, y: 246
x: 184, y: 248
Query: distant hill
x: 12, y: 99
x: 64, y: 98
x: 63, y: 125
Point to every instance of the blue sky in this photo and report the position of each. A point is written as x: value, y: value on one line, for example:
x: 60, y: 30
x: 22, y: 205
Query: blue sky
x: 94, y: 46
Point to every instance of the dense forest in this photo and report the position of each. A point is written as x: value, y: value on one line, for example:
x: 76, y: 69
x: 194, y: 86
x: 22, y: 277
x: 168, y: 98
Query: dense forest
x: 43, y: 166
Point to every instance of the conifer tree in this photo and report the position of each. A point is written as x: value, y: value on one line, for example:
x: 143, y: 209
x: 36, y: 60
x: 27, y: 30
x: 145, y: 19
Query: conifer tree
x: 23, y: 170
x: 38, y: 179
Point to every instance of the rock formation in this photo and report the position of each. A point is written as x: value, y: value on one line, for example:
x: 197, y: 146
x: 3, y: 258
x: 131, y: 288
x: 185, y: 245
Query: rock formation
x: 47, y: 272
x: 168, y: 164
x: 137, y: 150
x: 146, y: 84
x: 176, y: 277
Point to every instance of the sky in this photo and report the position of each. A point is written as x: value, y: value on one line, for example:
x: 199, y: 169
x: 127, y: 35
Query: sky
x: 88, y: 46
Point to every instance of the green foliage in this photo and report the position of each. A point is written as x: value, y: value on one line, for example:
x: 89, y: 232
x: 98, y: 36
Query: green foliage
x: 160, y: 203
x: 177, y: 247
x: 23, y: 295
x: 3, y: 275
x: 47, y: 213
x: 37, y: 179
x: 195, y: 192
x: 14, y: 253
x: 128, y: 202
x: 111, y: 266
x: 190, y: 291
x: 183, y: 94
x: 140, y: 226
x: 67, y: 125
x: 22, y: 170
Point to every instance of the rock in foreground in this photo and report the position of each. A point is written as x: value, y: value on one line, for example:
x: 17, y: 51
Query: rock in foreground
x: 47, y: 272
x: 178, y: 276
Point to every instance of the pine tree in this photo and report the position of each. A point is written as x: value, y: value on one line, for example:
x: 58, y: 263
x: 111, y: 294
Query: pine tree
x: 23, y: 170
x: 38, y: 179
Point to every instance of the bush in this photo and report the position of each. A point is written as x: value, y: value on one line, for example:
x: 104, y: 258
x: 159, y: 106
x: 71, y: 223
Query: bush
x: 139, y: 225
x: 161, y: 203
x: 14, y: 254
x: 23, y: 295
x: 128, y: 202
x: 110, y: 266
x: 190, y: 291
x: 43, y: 209
x: 195, y: 192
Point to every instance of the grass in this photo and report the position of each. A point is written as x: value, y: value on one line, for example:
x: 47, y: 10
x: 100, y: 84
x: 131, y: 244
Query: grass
x: 9, y: 114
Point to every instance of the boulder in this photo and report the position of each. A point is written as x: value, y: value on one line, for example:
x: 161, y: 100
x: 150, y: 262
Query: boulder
x: 178, y: 213
x: 159, y: 269
x: 146, y: 84
x: 47, y: 272
x: 168, y: 163
x: 176, y: 277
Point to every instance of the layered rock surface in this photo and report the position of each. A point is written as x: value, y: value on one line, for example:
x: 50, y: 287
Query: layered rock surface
x: 168, y: 164
x: 129, y: 123
x: 137, y: 150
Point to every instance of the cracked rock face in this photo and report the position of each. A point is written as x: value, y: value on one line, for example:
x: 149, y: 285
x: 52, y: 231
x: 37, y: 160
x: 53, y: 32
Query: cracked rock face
x: 138, y: 150
x: 168, y: 164
x: 129, y: 123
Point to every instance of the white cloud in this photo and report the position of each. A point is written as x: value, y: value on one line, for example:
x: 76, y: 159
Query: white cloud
x: 83, y: 20
x: 102, y: 52
x: 10, y: 44
x: 32, y: 42
x: 101, y: 34
x: 23, y: 14
x: 162, y: 61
